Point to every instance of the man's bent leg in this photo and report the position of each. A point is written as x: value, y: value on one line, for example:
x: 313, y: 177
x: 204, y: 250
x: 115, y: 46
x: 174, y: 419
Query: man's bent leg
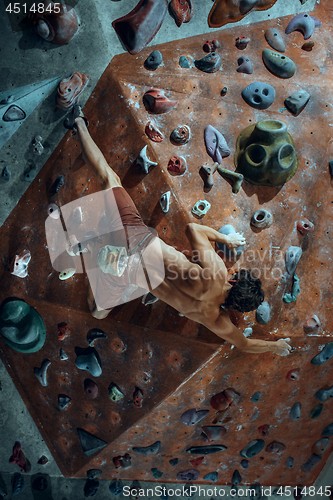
x: 95, y: 157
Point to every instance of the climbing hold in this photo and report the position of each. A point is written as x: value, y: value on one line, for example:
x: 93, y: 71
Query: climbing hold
x: 213, y: 432
x: 316, y: 411
x: 290, y: 462
x: 216, y: 145
x: 156, y: 472
x: 53, y: 211
x: 200, y: 208
x: 245, y: 463
x: 328, y: 431
x: 305, y: 226
x: 90, y: 444
x: 296, y: 411
x: 320, y: 446
x: 43, y: 460
x: 39, y: 482
x: 173, y: 461
x: 90, y: 388
x: 274, y: 39
x: 70, y: 89
x: 94, y: 473
x: 122, y: 461
x: 234, y: 177
x: 278, y: 64
x: 264, y: 429
x: 56, y: 27
x: 324, y: 394
x: 212, y: 476
x: 303, y: 23
x: 116, y: 487
x: 89, y: 360
x: 236, y: 478
x: 259, y: 95
x: 5, y: 174
x: 184, y: 62
x: 224, y: 91
x: 210, y: 63
x: 295, y: 291
x: 206, y: 172
x: 233, y: 253
x: 117, y: 345
x: 245, y: 65
x: 18, y: 457
x: 156, y: 102
x: 206, y: 450
x: 180, y: 135
x: 293, y: 374
x: 252, y: 448
x: 63, y: 401
x: 308, y: 46
x: 256, y: 397
x: 222, y: 400
x: 95, y: 334
x: 41, y: 373
x: 57, y: 185
x: 181, y: 11
x: 310, y: 463
x: 138, y: 397
x: 297, y: 101
x: 177, y: 165
x: 247, y: 332
x: 143, y: 161
x: 17, y: 483
x: 275, y: 447
x: 312, y: 325
x: 152, y: 449
x: 63, y: 330
x: 90, y: 487
x: 149, y: 299
x: 242, y: 42
x: 165, y: 201
x: 292, y: 257
x: 193, y: 416
x: 262, y: 218
x: 211, y: 46
x: 14, y: 113
x: 20, y: 268
x: 188, y: 475
x: 154, y: 60
x: 153, y: 132
x: 324, y: 355
x: 263, y: 313
x: 115, y: 393
x: 37, y: 145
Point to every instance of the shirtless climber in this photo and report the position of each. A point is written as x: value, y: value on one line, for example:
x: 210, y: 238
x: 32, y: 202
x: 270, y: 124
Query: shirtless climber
x: 203, y: 291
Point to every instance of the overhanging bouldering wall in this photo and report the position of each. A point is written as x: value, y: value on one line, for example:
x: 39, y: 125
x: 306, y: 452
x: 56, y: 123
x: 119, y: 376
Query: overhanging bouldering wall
x: 254, y: 425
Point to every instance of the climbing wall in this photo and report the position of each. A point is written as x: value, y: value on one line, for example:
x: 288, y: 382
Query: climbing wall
x: 271, y: 418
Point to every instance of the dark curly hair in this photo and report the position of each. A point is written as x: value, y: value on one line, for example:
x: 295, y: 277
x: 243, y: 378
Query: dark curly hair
x: 246, y: 294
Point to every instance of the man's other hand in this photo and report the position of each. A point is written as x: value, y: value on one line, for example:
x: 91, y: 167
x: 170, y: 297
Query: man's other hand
x: 235, y: 240
x: 282, y: 348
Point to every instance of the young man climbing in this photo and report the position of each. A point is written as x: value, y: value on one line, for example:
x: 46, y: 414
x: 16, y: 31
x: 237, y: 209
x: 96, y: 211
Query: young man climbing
x: 203, y: 291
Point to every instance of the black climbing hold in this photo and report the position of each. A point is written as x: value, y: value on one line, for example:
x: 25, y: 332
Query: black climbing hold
x: 173, y: 461
x: 290, y: 462
x: 154, y: 60
x: 39, y: 482
x: 123, y: 461
x: 193, y: 416
x: 89, y: 360
x: 245, y: 463
x: 295, y: 411
x: 210, y: 63
x: 316, y: 411
x: 90, y: 388
x: 41, y: 373
x: 259, y: 95
x: 255, y: 491
x: 324, y: 394
x: 63, y: 401
x: 206, y: 450
x: 297, y: 101
x: 13, y: 114
x: 90, y: 444
x: 156, y: 473
x: 256, y: 397
x: 224, y: 91
x: 94, y: 473
x: 236, y: 478
x: 57, y: 185
x: 330, y: 166
x: 184, y: 62
x: 212, y: 476
x: 5, y: 174
x: 91, y: 487
x: 17, y: 483
x: 325, y: 354
x: 94, y: 334
x: 152, y: 449
x: 116, y: 487
x: 188, y: 475
x: 310, y: 463
x: 252, y: 448
x: 328, y: 431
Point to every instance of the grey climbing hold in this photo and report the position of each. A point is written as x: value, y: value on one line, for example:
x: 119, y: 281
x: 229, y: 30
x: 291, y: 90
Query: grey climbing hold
x: 275, y: 39
x: 213, y: 432
x: 262, y: 218
x: 154, y: 60
x: 310, y: 463
x: 216, y: 144
x: 63, y: 401
x: 263, y: 313
x: 41, y: 372
x: 152, y: 449
x: 116, y: 487
x: 256, y: 397
x: 245, y: 65
x: 259, y: 95
x: 143, y: 161
x: 303, y: 23
x: 206, y: 450
x: 320, y: 446
x: 297, y: 101
x: 63, y: 355
x: 235, y: 177
x: 90, y: 444
x: 292, y: 257
x: 229, y: 253
x: 184, y: 62
x: 324, y: 394
x: 295, y: 411
x: 212, y: 476
x: 89, y: 360
x: 275, y: 447
x: 165, y: 201
x: 325, y: 354
x: 210, y: 63
x: 14, y: 113
x: 200, y: 208
x: 252, y: 448
x: 278, y: 64
x: 247, y: 332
